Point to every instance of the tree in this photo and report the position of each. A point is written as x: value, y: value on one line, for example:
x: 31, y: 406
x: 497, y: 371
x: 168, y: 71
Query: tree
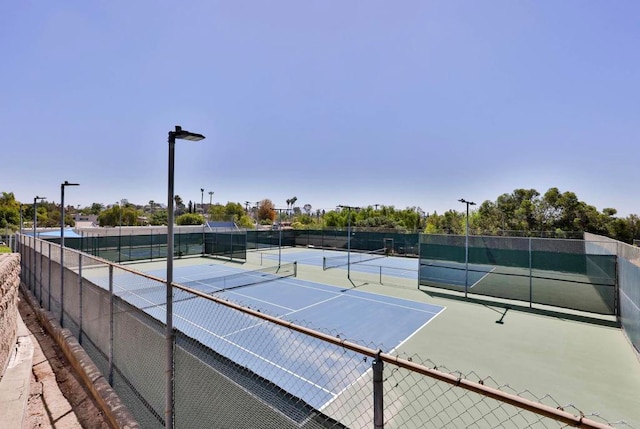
x: 159, y: 217
x: 96, y: 208
x: 190, y: 219
x: 234, y: 211
x: 110, y: 216
x: 451, y: 222
x: 290, y: 203
x: 266, y: 210
x: 9, y: 210
x: 245, y: 222
x: 217, y: 212
x: 307, y: 209
x: 179, y: 204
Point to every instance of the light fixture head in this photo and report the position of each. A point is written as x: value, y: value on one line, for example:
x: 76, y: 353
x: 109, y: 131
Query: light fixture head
x: 181, y: 134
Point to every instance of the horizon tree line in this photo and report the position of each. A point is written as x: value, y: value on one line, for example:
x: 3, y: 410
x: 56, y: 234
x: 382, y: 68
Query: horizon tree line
x: 524, y: 212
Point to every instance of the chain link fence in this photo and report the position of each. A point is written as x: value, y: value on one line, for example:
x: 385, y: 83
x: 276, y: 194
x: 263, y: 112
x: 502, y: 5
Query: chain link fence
x: 237, y: 366
x: 628, y: 282
x: 554, y: 272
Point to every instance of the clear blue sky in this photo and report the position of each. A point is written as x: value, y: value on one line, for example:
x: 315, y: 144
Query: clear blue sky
x: 413, y: 103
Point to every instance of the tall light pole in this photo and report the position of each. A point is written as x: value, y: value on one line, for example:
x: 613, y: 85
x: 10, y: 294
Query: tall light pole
x: 466, y: 247
x: 280, y: 235
x: 209, y: 208
x: 177, y: 134
x: 349, y: 237
x: 203, y: 218
x: 62, y: 186
x: 35, y: 227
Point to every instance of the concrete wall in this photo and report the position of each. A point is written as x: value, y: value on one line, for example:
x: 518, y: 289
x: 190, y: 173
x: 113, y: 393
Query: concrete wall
x: 9, y: 282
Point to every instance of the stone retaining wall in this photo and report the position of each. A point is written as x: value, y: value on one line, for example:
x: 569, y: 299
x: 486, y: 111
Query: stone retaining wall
x: 9, y: 283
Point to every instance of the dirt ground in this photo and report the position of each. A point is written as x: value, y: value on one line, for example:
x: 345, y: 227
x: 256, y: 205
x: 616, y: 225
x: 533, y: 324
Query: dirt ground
x: 57, y: 399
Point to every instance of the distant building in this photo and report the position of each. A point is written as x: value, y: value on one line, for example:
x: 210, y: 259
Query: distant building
x: 86, y: 221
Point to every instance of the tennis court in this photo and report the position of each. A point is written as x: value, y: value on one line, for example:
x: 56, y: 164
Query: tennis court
x: 365, y: 317
x: 590, y: 292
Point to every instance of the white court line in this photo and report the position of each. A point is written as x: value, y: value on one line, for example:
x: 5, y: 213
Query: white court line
x: 339, y: 292
x: 259, y: 357
x: 260, y: 300
x: 310, y: 306
x: 416, y: 331
x: 235, y: 292
x: 482, y: 278
x: 292, y: 311
x: 389, y: 352
x: 394, y: 305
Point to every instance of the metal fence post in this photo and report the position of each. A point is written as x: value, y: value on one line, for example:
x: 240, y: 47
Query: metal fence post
x: 49, y: 281
x: 111, y: 324
x: 35, y: 269
x: 530, y: 276
x: 80, y: 298
x: 33, y: 264
x: 419, y: 259
x: 378, y: 392
x: 616, y: 285
x: 39, y: 275
x: 61, y: 286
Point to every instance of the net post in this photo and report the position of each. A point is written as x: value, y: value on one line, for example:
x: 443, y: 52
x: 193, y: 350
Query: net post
x: 378, y: 392
x: 295, y: 268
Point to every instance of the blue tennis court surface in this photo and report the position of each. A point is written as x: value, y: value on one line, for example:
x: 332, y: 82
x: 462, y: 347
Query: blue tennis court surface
x: 392, y: 265
x: 365, y: 318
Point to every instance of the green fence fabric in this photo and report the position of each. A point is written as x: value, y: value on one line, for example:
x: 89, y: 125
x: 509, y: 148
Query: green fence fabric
x: 555, y: 272
x: 135, y: 247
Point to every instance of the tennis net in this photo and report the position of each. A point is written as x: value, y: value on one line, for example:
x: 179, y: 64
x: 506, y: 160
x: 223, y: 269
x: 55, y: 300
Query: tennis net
x: 233, y: 281
x: 352, y: 258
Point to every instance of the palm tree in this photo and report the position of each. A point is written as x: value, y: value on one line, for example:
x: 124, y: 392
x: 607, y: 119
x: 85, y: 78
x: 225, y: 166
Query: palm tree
x: 179, y: 205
